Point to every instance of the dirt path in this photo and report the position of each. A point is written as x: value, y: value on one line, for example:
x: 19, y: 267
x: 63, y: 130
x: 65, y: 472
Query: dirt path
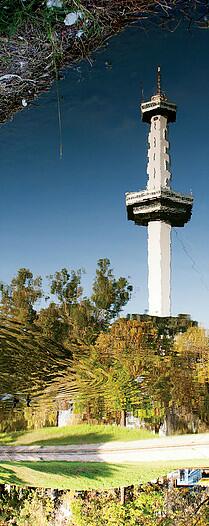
x: 166, y: 449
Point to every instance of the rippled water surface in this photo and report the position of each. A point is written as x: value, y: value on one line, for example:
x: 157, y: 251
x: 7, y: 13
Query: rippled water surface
x: 31, y: 367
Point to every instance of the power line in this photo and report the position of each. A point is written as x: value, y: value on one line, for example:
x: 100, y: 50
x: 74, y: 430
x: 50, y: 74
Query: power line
x: 194, y: 265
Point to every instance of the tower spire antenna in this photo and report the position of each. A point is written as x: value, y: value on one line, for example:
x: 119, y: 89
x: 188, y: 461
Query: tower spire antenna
x: 158, y: 81
x: 141, y: 92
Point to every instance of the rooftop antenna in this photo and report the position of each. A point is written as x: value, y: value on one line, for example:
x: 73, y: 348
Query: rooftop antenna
x: 142, y: 92
x: 158, y: 81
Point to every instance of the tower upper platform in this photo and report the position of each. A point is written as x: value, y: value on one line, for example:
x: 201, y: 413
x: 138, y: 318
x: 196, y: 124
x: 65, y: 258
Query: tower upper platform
x: 161, y: 205
x: 158, y: 105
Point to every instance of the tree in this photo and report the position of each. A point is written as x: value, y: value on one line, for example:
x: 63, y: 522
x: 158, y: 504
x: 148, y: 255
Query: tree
x: 66, y: 285
x: 133, y: 367
x: 109, y: 295
x: 121, y: 371
x: 72, y: 316
x: 190, y: 376
x: 36, y: 510
x: 147, y: 505
x: 20, y: 296
x: 52, y: 323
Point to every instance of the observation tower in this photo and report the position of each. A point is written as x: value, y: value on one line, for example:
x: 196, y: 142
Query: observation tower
x: 158, y: 207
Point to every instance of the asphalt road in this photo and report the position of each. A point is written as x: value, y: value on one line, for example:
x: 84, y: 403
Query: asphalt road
x: 167, y: 449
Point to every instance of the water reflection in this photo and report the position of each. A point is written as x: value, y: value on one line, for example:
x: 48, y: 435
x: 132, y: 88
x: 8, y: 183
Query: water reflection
x: 133, y: 374
x: 143, y: 372
x: 32, y: 368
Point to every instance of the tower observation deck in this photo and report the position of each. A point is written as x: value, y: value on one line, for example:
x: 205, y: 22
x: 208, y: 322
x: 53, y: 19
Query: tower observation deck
x: 158, y: 206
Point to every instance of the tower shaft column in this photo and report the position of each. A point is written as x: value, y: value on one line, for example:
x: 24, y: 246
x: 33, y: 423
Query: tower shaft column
x: 159, y: 268
x: 158, y: 168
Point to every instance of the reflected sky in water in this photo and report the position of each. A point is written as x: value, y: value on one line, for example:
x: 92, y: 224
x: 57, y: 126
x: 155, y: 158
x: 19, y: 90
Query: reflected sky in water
x: 71, y: 212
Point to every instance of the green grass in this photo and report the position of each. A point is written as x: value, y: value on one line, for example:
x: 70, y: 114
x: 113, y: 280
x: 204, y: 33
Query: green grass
x: 17, y: 14
x: 87, y: 475
x: 75, y: 434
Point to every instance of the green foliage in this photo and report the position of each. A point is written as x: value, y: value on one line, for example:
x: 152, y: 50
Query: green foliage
x: 98, y: 512
x: 190, y: 375
x: 66, y: 285
x: 52, y: 324
x: 126, y: 371
x: 129, y: 365
x: 109, y: 294
x: 147, y: 506
x: 35, y: 337
x: 18, y: 298
x: 25, y: 419
x: 14, y: 13
x: 36, y: 511
x: 70, y: 316
x: 132, y: 367
x: 25, y: 507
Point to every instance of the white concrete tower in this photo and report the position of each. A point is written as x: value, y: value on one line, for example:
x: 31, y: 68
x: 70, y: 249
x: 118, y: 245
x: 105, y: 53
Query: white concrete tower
x: 158, y: 207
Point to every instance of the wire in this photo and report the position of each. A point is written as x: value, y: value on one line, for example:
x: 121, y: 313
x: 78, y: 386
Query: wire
x: 58, y: 94
x: 194, y: 265
x: 59, y: 118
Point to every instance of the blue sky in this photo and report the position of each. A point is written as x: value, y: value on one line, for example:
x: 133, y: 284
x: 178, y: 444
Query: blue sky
x: 71, y: 211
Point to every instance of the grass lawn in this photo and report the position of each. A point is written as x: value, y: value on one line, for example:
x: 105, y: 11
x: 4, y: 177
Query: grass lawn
x: 77, y: 434
x: 86, y: 475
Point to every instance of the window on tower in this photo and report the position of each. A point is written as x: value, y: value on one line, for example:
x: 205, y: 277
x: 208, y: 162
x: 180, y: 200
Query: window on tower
x: 167, y: 165
x: 154, y: 120
x: 165, y: 134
